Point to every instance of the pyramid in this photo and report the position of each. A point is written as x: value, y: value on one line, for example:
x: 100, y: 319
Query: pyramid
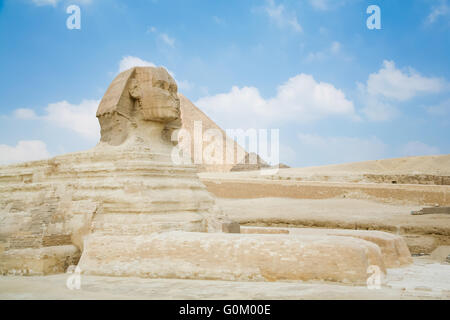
x: 190, y: 114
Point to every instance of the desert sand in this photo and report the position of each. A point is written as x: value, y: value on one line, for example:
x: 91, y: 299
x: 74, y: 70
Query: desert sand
x: 409, y: 170
x: 425, y: 279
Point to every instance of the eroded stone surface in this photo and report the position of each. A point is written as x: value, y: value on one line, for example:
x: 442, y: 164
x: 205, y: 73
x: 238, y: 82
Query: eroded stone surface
x: 38, y: 261
x: 394, y: 250
x: 189, y: 255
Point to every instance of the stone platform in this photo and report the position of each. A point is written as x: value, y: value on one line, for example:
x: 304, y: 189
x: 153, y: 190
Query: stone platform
x: 394, y: 250
x: 190, y: 255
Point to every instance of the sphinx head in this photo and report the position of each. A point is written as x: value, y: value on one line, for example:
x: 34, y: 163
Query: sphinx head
x: 155, y: 94
x: 138, y: 97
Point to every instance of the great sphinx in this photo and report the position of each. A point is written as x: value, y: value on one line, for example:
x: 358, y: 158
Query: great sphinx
x: 127, y: 184
x: 127, y: 209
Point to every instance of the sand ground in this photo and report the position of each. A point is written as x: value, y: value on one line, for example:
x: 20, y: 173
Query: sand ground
x: 425, y: 279
x: 354, y: 212
x: 354, y: 171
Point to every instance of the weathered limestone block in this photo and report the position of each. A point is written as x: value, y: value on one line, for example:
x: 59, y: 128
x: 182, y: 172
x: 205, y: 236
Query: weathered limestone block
x: 33, y: 220
x: 441, y: 254
x: 82, y: 213
x: 231, y: 227
x: 190, y: 255
x: 394, y: 249
x: 262, y: 230
x: 432, y: 210
x: 35, y: 230
x: 38, y: 261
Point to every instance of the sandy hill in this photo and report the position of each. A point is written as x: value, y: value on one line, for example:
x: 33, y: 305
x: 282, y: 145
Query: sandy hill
x: 431, y: 165
x: 410, y: 170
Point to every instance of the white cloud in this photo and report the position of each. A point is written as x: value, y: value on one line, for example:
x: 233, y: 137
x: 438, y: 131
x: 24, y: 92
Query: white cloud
x: 164, y: 37
x: 129, y: 62
x: 300, y: 99
x: 323, y: 31
x: 288, y: 155
x: 218, y: 20
x: 24, y: 114
x: 324, y: 5
x: 441, y: 10
x: 390, y: 85
x: 417, y: 148
x: 393, y: 83
x: 81, y: 1
x: 185, y: 85
x: 54, y: 3
x: 377, y: 110
x: 318, y: 150
x: 23, y: 151
x: 279, y: 15
x: 167, y: 40
x: 441, y: 109
x: 316, y: 56
x: 334, y: 49
x: 45, y: 2
x: 320, y: 4
x: 77, y: 118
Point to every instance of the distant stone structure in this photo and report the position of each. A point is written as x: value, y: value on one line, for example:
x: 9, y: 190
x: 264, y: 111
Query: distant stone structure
x: 249, y: 163
x: 191, y: 114
x: 241, y: 159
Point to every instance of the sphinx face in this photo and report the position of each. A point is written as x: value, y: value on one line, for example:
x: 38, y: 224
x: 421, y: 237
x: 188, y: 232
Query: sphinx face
x: 156, y: 93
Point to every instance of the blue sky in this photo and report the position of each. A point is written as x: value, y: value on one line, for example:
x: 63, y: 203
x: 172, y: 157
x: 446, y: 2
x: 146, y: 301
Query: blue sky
x: 337, y: 91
